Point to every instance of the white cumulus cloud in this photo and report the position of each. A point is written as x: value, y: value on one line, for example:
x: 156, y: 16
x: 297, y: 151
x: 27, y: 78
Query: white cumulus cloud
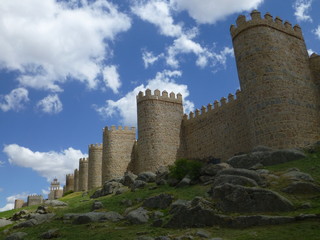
x: 160, y: 13
x: 50, y: 104
x: 317, y: 31
x: 51, y: 41
x: 48, y: 164
x: 149, y: 58
x: 15, y: 100
x: 301, y: 8
x: 111, y: 78
x: 126, y: 108
x: 211, y: 11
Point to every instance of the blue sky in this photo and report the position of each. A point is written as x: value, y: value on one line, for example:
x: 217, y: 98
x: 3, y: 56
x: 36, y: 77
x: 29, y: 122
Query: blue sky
x: 69, y: 68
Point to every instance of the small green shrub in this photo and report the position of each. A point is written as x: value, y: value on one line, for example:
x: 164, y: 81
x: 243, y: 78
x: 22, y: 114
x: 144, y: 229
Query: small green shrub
x: 183, y: 167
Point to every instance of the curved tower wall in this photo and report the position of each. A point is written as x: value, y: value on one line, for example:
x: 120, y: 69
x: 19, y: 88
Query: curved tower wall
x: 280, y: 94
x: 83, y: 174
x: 69, y: 183
x: 76, y: 180
x: 117, y: 151
x: 315, y: 67
x: 94, y: 166
x: 159, y: 129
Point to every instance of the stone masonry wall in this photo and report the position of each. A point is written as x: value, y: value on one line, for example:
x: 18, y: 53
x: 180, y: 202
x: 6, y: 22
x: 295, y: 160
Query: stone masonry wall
x: 315, y: 67
x: 117, y: 151
x: 35, y: 200
x: 83, y: 174
x: 218, y: 130
x: 280, y: 96
x: 159, y: 129
x: 76, y: 180
x: 69, y: 183
x: 18, y: 203
x: 95, y: 166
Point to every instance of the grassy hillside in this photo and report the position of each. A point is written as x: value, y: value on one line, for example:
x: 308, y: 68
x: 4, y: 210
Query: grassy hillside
x: 80, y: 203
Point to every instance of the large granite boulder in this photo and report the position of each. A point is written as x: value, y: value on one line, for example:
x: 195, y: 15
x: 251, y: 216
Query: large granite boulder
x: 147, y: 177
x: 83, y: 218
x: 16, y: 236
x: 235, y: 198
x: 213, y: 169
x: 295, y: 174
x: 302, y: 188
x: 161, y: 201
x: 244, y: 173
x: 138, y: 216
x: 35, y: 219
x: 108, y: 188
x: 235, y: 180
x: 4, y: 222
x: 128, y: 179
x: 197, y: 213
x: 265, y: 158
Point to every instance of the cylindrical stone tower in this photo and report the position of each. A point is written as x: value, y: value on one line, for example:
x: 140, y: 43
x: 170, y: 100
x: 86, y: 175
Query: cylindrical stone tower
x: 279, y: 91
x: 83, y: 174
x: 69, y: 183
x: 315, y: 67
x: 95, y: 166
x: 159, y: 128
x: 117, y: 151
x: 76, y: 180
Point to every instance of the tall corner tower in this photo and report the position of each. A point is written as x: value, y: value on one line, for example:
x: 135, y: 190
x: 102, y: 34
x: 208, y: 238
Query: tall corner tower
x: 94, y: 166
x: 315, y: 67
x: 159, y: 129
x: 280, y: 94
x: 117, y: 153
x: 76, y: 180
x: 69, y: 183
x: 83, y: 174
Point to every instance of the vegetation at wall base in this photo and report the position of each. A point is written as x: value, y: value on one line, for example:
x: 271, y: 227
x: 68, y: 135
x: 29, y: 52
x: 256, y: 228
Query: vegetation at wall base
x: 185, y: 167
x: 79, y: 202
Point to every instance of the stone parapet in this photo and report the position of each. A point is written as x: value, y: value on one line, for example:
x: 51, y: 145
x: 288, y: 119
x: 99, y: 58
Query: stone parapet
x: 268, y: 21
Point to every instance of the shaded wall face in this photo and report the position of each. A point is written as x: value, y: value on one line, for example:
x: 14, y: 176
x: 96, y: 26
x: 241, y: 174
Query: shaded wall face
x: 219, y: 133
x: 83, y: 176
x: 94, y: 168
x: 69, y: 183
x: 279, y: 92
x: 35, y: 200
x: 159, y: 132
x: 117, y: 152
x: 76, y: 180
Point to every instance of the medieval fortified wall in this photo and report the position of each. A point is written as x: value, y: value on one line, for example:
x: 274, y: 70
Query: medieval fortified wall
x: 278, y: 107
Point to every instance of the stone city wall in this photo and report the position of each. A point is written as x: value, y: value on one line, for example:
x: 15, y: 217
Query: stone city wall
x: 117, y: 151
x: 159, y: 129
x: 35, y: 200
x: 280, y: 96
x: 219, y: 130
x: 95, y: 166
x: 83, y: 174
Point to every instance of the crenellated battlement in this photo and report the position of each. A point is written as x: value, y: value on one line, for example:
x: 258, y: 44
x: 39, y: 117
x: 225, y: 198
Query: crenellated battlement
x: 216, y: 106
x: 83, y: 160
x: 70, y: 175
x: 268, y: 21
x: 97, y: 146
x: 119, y: 128
x: 34, y: 196
x: 164, y: 96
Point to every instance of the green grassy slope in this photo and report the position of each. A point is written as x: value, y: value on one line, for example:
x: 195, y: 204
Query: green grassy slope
x: 309, y: 230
